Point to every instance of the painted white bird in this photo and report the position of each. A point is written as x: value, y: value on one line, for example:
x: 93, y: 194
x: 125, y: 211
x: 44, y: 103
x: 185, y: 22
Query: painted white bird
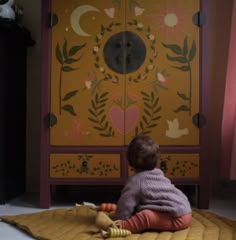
x: 174, y: 131
x: 6, y: 10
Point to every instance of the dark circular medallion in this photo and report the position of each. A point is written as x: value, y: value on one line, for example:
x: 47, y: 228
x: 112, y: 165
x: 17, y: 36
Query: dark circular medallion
x: 124, y: 52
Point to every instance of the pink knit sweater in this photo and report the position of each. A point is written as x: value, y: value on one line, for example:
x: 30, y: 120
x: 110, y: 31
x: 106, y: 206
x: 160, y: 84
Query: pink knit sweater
x: 151, y: 190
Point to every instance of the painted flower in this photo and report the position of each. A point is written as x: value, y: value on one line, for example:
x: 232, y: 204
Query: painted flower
x: 74, y: 131
x: 150, y: 67
x: 88, y: 84
x: 110, y: 12
x: 139, y: 25
x: 151, y: 37
x: 101, y: 69
x: 138, y: 11
x: 143, y: 77
x: 96, y: 49
x: 91, y: 77
x: 115, y: 80
x: 160, y: 77
x: 154, y: 54
x: 99, y: 36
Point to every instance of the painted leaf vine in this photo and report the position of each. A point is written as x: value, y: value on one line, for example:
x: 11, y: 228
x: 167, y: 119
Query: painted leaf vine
x: 66, y: 58
x: 98, y: 115
x: 96, y: 50
x: 132, y: 4
x: 184, y: 56
x: 151, y: 114
x: 150, y: 66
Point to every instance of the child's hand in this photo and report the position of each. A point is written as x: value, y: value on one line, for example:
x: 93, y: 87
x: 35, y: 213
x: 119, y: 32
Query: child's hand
x: 108, y: 207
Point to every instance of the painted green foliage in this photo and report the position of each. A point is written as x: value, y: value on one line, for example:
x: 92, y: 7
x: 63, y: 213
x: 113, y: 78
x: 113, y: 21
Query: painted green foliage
x: 66, y: 58
x: 96, y: 51
x: 184, y: 56
x: 150, y: 114
x: 98, y: 115
x: 151, y: 38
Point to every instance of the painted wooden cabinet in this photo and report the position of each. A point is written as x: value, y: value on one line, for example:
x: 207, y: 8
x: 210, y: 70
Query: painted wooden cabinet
x: 115, y: 69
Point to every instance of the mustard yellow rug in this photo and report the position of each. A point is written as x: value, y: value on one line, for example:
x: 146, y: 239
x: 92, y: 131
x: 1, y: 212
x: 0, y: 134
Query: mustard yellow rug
x: 79, y: 224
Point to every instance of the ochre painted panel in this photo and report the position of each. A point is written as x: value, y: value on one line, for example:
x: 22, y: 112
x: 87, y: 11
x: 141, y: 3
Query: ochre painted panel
x: 178, y: 165
x: 85, y: 166
x: 166, y: 87
x: 83, y: 90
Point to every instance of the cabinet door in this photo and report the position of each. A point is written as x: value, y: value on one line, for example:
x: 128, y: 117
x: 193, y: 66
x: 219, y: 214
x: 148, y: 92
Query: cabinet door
x: 86, y: 93
x: 122, y: 68
x: 166, y: 86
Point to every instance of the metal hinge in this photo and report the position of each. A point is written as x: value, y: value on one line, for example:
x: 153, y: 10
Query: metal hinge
x: 50, y: 120
x: 52, y: 19
x: 199, y: 19
x: 199, y: 120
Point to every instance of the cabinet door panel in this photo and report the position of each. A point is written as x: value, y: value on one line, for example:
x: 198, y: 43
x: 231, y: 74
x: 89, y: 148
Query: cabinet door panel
x: 84, y: 89
x: 165, y: 88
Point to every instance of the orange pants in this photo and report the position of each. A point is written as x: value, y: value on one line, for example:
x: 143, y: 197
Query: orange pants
x: 153, y: 220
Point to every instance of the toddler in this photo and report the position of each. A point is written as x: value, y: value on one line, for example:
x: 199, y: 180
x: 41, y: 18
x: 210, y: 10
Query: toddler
x: 148, y: 201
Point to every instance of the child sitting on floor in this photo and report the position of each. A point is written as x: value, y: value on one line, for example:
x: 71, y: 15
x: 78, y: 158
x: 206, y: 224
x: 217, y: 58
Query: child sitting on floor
x: 149, y: 201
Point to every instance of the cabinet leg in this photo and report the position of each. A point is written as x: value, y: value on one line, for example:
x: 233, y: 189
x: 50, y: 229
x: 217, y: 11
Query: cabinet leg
x: 53, y: 189
x: 45, y: 197
x: 203, y: 196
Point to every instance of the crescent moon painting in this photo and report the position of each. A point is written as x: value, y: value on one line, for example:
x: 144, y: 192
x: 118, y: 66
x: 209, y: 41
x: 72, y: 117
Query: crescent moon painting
x: 75, y: 18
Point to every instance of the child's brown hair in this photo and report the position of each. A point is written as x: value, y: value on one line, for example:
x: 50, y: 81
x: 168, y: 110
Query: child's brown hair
x: 143, y: 153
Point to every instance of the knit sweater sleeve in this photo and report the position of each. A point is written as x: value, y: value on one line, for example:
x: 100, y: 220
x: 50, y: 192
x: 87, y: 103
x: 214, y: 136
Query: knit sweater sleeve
x: 129, y: 199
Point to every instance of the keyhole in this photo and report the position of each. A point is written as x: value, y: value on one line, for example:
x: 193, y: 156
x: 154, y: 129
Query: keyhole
x: 118, y: 45
x: 128, y: 59
x: 128, y: 44
x: 118, y: 59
